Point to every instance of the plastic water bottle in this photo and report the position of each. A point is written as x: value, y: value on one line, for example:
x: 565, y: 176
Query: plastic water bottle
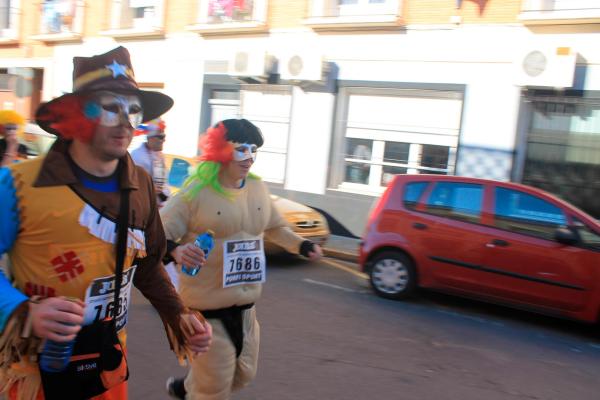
x: 206, y: 242
x: 56, y: 355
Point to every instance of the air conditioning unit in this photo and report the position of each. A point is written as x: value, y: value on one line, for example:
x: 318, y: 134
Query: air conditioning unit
x: 546, y: 67
x: 301, y: 66
x: 251, y: 64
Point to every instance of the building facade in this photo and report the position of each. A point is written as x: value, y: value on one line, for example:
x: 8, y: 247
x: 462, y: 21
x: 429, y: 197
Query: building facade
x: 350, y: 92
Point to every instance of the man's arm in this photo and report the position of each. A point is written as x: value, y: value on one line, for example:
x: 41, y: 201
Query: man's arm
x: 10, y: 298
x: 186, y: 331
x: 280, y: 233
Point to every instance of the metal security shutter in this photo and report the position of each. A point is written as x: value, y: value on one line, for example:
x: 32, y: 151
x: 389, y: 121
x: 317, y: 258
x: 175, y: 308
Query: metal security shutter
x: 269, y: 108
x: 394, y: 131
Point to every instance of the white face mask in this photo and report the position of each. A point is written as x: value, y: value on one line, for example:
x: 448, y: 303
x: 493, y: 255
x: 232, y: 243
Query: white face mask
x: 244, y: 151
x: 116, y: 109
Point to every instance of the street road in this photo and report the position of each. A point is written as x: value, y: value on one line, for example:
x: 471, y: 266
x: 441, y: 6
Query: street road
x: 326, y: 336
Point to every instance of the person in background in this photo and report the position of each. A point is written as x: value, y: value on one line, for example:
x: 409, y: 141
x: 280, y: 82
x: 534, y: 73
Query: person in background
x: 59, y: 216
x: 222, y: 196
x: 11, y: 126
x: 150, y: 157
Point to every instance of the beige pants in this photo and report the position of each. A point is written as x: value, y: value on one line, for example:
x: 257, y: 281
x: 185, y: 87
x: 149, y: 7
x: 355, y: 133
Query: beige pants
x: 218, y: 373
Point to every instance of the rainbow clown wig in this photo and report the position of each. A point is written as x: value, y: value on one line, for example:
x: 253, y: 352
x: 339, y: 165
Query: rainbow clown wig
x: 217, y: 148
x: 10, y: 117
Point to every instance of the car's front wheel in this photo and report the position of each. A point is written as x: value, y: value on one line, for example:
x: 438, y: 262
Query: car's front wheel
x: 393, y: 275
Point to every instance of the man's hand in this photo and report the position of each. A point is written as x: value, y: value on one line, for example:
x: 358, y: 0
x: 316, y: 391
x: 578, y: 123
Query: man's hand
x: 188, y: 254
x: 198, y: 333
x: 316, y: 254
x: 12, y: 143
x: 56, y: 318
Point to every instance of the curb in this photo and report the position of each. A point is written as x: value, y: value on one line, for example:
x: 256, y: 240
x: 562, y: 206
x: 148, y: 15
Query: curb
x: 340, y: 254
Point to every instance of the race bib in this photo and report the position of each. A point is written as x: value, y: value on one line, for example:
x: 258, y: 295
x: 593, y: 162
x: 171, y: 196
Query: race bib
x: 99, y: 299
x: 243, y: 262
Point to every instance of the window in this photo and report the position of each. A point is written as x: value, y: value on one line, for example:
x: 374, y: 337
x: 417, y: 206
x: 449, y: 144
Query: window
x: 144, y: 15
x: 58, y: 16
x: 434, y: 157
x: 571, y: 10
x: 358, y: 158
x: 523, y: 213
x: 412, y: 193
x: 462, y: 201
x: 337, y: 8
x: 232, y: 11
x: 9, y: 17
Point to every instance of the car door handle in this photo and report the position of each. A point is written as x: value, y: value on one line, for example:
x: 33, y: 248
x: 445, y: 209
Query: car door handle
x: 420, y: 226
x: 497, y: 242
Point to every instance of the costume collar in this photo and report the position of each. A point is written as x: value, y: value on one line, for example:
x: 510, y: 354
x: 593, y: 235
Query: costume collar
x: 56, y: 171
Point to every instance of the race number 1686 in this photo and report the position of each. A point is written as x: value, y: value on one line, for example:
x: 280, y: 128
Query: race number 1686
x: 244, y: 264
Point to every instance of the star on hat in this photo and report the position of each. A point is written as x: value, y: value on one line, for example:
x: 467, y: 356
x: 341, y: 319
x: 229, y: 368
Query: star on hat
x: 117, y: 69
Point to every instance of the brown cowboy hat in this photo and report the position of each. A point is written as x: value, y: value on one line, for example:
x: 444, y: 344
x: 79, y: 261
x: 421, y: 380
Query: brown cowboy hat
x: 112, y: 72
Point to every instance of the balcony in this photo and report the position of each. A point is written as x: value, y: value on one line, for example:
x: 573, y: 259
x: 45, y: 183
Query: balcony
x: 230, y: 17
x: 354, y: 14
x: 61, y: 21
x: 136, y: 18
x: 9, y: 24
x: 550, y: 12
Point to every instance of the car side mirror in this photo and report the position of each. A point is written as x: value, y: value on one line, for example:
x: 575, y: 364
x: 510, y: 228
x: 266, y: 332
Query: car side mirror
x: 566, y: 236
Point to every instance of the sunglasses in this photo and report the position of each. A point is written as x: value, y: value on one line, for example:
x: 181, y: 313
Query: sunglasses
x: 159, y: 137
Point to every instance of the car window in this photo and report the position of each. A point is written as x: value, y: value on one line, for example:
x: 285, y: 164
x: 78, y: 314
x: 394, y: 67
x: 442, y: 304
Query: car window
x: 412, y: 193
x: 524, y: 213
x: 462, y: 201
x: 588, y: 236
x: 179, y: 172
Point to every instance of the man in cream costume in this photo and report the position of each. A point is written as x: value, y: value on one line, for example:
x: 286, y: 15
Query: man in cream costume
x: 222, y: 196
x: 58, y: 218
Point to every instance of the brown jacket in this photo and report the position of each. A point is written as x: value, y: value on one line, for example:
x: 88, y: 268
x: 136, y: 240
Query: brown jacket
x: 150, y: 277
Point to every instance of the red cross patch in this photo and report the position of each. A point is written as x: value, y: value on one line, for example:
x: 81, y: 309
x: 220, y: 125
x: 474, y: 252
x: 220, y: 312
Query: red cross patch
x: 67, y: 266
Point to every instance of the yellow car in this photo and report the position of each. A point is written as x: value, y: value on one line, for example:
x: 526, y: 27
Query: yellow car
x: 303, y: 220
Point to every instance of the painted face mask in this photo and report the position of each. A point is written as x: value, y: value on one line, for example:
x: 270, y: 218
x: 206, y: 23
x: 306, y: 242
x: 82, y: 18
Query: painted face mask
x: 244, y: 151
x: 113, y: 109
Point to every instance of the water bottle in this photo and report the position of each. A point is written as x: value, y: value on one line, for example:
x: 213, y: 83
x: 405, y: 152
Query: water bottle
x: 206, y: 242
x: 56, y: 355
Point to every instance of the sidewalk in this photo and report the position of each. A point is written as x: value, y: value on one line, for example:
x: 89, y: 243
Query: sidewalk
x: 342, y: 247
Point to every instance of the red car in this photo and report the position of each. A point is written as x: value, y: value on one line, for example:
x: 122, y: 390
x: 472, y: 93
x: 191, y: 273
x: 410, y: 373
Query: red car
x: 501, y: 242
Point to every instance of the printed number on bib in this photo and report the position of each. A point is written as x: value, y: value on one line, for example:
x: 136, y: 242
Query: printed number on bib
x: 100, y: 299
x: 243, y: 262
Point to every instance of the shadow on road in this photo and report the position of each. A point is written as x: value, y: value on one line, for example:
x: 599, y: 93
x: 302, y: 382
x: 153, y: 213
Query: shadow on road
x: 485, y: 310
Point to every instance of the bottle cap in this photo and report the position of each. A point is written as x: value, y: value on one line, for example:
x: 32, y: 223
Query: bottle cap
x: 210, y: 232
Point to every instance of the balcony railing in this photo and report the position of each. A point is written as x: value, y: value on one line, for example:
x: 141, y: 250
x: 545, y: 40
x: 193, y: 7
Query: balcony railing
x: 560, y: 11
x: 133, y: 17
x: 354, y: 13
x: 9, y: 17
x: 216, y: 16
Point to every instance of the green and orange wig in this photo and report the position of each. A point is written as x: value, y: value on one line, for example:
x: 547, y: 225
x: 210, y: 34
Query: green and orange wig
x: 217, y: 146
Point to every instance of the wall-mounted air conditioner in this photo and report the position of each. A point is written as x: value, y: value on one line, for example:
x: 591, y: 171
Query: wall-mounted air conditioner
x: 251, y: 64
x: 301, y: 66
x: 546, y: 66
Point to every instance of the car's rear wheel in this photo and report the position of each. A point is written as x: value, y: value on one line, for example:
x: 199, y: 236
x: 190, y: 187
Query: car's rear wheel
x: 393, y: 275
